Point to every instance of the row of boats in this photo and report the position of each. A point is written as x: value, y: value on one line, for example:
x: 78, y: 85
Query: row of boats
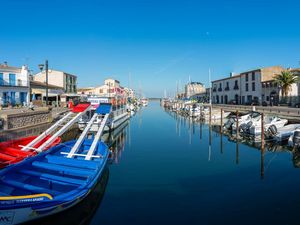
x: 274, y: 128
x: 41, y: 176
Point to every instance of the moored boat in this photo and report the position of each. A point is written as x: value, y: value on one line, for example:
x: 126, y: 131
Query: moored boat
x: 52, y: 181
x: 11, y: 151
x: 117, y: 116
x: 283, y: 133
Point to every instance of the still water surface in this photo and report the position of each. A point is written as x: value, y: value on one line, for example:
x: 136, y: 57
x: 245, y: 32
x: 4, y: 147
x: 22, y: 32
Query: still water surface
x: 167, y: 170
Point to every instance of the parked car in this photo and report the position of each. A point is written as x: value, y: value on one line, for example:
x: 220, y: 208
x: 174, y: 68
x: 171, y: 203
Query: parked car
x: 264, y: 103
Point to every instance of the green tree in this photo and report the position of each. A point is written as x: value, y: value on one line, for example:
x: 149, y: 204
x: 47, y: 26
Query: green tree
x: 285, y: 80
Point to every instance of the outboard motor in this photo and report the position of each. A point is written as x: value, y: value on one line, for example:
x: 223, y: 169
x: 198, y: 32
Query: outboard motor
x: 272, y: 131
x: 296, y: 138
x: 229, y: 123
x: 243, y: 128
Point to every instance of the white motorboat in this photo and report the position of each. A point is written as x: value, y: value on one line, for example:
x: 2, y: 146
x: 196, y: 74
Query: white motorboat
x: 242, y: 120
x: 117, y: 116
x: 144, y: 101
x: 270, y: 122
x: 283, y: 133
x: 294, y: 139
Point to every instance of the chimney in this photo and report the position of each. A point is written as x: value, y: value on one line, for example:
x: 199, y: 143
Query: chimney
x: 5, y: 63
x: 231, y: 74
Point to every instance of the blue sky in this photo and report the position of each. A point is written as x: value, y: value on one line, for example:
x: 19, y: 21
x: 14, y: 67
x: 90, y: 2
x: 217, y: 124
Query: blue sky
x: 158, y: 42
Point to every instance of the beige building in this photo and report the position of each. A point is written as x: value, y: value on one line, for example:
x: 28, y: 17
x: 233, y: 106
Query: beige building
x: 60, y: 79
x: 110, y: 88
x: 272, y: 93
x: 193, y: 88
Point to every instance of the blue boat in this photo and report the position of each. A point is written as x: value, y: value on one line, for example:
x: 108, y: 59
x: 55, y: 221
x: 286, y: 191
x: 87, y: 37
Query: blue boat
x: 50, y: 182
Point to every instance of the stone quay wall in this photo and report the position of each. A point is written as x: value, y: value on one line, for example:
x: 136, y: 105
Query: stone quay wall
x: 25, y: 119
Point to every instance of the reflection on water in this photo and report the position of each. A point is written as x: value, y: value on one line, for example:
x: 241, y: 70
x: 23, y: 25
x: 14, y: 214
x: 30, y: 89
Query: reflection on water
x: 190, y: 124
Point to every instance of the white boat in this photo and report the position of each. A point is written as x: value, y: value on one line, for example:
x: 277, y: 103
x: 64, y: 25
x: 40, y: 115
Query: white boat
x: 242, y: 120
x: 254, y: 127
x: 215, y: 114
x: 294, y: 139
x: 117, y: 116
x: 194, y: 111
x: 283, y: 133
x: 144, y: 101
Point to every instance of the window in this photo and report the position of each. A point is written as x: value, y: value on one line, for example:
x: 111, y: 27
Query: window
x: 262, y: 97
x: 12, y: 79
x: 246, y: 76
x: 268, y: 98
x: 253, y: 86
x: 247, y: 87
x: 253, y: 75
x: 1, y: 79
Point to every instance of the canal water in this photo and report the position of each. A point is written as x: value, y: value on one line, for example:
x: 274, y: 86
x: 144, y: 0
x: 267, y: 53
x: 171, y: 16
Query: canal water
x: 166, y: 169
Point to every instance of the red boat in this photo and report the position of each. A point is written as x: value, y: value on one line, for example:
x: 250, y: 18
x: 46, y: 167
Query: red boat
x: 11, y: 151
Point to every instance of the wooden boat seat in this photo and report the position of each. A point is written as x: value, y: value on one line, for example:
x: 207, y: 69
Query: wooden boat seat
x: 86, y: 164
x: 64, y: 169
x: 29, y: 187
x: 52, y: 177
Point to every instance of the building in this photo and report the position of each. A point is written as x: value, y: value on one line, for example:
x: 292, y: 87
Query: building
x: 243, y: 88
x: 272, y: 93
x: 110, y: 88
x: 85, y: 91
x: 226, y: 90
x: 14, y: 85
x: 202, y: 97
x: 60, y: 79
x: 193, y: 88
x: 38, y: 90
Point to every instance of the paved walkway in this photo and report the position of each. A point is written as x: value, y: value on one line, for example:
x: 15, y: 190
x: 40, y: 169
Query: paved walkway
x: 280, y: 110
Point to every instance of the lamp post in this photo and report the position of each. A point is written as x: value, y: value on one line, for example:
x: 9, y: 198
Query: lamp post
x: 41, y: 66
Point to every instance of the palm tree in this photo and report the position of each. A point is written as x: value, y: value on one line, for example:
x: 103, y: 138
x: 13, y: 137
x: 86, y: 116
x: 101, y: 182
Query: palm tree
x: 285, y: 80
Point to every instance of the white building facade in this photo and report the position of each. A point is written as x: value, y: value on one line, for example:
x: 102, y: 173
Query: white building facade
x: 14, y: 85
x: 244, y: 88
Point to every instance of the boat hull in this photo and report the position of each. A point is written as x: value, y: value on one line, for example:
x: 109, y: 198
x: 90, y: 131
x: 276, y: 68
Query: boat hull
x: 11, y: 151
x: 116, y: 122
x: 20, y: 209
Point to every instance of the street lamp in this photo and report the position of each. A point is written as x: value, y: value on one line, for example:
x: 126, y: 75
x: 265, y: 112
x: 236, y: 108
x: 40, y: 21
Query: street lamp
x: 41, y: 66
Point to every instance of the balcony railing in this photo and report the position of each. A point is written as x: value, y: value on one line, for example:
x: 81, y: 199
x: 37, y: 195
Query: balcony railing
x: 236, y: 87
x: 219, y: 89
x: 227, y: 89
x: 18, y: 83
x: 214, y: 89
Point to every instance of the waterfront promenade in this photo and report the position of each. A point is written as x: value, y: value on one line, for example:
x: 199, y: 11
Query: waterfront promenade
x: 282, y: 111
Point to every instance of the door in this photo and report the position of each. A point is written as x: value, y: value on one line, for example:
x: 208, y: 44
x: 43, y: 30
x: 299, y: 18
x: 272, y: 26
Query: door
x: 12, y: 79
x: 13, y: 98
x: 23, y: 97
